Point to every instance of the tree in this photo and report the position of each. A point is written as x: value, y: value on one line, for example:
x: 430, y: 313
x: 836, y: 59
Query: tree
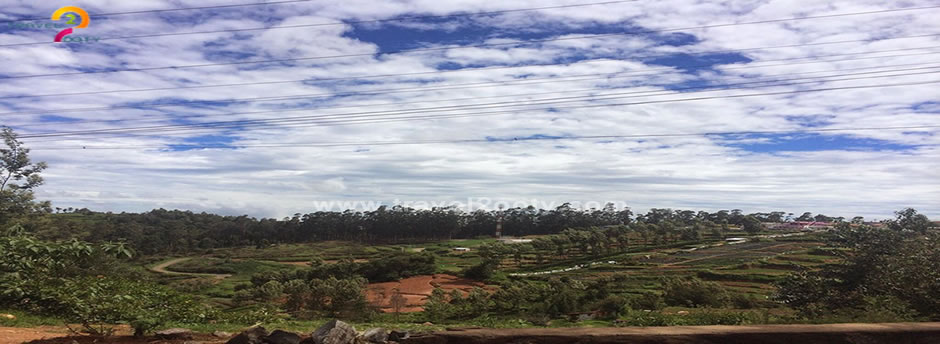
x: 693, y: 292
x: 881, y: 271
x: 18, y: 177
x: 397, y: 301
x: 438, y: 307
x: 909, y: 220
x: 752, y: 225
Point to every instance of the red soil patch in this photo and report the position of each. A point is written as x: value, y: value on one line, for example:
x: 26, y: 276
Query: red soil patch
x: 55, y: 334
x: 417, y: 289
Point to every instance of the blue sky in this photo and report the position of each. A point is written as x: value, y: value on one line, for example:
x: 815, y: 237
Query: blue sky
x: 627, y: 54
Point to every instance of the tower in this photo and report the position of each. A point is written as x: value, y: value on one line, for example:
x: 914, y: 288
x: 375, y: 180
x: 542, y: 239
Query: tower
x: 499, y: 223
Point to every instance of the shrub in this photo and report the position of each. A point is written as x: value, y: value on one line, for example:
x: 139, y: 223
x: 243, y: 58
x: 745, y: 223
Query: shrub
x: 96, y: 303
x: 693, y: 292
x: 613, y: 306
x: 647, y: 300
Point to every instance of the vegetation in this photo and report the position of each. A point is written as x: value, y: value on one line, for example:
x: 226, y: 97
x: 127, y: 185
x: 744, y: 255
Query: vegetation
x: 664, y: 267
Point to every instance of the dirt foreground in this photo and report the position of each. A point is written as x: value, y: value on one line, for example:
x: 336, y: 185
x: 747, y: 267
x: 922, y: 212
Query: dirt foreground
x: 773, y: 334
x: 908, y: 333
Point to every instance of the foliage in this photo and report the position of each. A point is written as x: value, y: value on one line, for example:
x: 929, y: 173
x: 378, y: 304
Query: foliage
x: 98, y: 302
x: 693, y: 292
x: 18, y: 177
x: 887, y: 270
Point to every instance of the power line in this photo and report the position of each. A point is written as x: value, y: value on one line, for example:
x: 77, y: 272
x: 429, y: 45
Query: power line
x: 458, y: 86
x: 402, y: 18
x: 435, y: 72
x: 345, y: 119
x: 555, y: 100
x: 201, y: 116
x: 491, y: 140
x: 593, y: 89
x: 168, y: 10
x: 467, y: 46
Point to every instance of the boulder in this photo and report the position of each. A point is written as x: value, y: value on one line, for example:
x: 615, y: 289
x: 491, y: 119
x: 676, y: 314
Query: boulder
x: 375, y: 335
x: 282, y: 337
x: 334, y: 332
x: 174, y: 334
x: 397, y: 336
x: 254, y: 335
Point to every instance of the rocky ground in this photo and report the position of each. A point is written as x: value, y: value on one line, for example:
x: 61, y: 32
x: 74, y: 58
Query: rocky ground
x: 337, y: 332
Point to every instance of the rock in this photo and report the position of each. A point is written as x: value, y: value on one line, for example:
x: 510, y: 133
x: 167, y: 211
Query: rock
x: 174, y: 333
x: 334, y: 332
x: 254, y: 335
x: 8, y: 316
x: 282, y: 337
x: 397, y: 336
x: 375, y: 335
x: 682, y: 312
x: 221, y: 334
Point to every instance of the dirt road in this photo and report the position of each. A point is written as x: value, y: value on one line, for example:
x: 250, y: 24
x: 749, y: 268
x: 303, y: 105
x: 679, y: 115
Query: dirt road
x: 161, y: 268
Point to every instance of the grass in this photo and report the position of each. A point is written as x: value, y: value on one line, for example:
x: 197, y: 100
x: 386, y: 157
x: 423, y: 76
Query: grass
x: 23, y: 319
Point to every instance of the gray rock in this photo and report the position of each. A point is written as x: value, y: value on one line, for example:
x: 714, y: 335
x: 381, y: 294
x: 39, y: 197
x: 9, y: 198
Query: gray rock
x: 282, y: 337
x: 254, y: 335
x: 334, y: 332
x: 396, y: 336
x: 174, y: 333
x: 375, y: 335
x: 221, y: 334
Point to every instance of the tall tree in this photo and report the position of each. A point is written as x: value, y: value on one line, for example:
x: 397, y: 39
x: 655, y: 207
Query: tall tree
x: 18, y: 177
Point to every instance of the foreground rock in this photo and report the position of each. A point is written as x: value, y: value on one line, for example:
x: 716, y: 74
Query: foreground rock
x: 174, y: 334
x: 769, y: 334
x: 334, y: 332
x: 254, y: 335
x: 397, y: 336
x: 282, y: 337
x: 375, y: 335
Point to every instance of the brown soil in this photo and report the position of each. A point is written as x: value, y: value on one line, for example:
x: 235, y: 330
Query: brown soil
x: 771, y: 334
x: 914, y: 333
x: 417, y: 289
x: 50, y: 334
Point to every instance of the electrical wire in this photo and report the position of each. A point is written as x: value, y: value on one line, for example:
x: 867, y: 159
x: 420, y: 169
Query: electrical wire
x: 401, y: 51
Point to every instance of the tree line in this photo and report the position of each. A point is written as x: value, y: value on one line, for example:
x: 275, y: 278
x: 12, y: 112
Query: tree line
x: 167, y: 231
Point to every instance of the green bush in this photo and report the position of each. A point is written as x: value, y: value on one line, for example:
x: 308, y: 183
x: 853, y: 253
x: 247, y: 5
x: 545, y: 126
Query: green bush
x: 693, y: 292
x: 647, y: 300
x: 96, y: 303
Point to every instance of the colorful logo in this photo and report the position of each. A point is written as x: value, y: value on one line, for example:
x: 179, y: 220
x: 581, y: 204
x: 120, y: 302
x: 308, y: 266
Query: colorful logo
x: 69, y: 12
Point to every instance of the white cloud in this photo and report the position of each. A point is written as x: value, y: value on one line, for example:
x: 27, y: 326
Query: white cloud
x: 681, y: 172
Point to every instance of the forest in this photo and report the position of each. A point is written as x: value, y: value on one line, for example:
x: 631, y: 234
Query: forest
x: 96, y: 270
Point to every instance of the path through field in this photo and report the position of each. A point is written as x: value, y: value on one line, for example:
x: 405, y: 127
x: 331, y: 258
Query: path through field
x: 161, y: 268
x: 679, y: 263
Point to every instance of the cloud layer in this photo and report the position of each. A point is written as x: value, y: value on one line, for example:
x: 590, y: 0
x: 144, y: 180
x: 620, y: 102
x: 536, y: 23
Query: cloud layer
x: 864, y: 172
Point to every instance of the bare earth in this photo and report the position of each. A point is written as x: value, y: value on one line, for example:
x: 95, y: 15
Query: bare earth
x: 417, y: 289
x: 913, y: 333
x: 772, y: 334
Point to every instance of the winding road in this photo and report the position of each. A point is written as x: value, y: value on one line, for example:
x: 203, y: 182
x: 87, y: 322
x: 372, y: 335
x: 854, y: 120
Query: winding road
x: 161, y: 268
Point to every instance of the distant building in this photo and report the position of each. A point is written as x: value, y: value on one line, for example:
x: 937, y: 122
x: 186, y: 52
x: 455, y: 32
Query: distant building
x: 804, y: 225
x: 514, y: 240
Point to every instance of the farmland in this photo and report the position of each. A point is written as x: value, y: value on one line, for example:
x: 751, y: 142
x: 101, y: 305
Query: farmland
x: 749, y: 268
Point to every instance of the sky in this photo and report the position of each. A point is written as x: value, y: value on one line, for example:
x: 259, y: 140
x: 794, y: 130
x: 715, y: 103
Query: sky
x: 499, y: 102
